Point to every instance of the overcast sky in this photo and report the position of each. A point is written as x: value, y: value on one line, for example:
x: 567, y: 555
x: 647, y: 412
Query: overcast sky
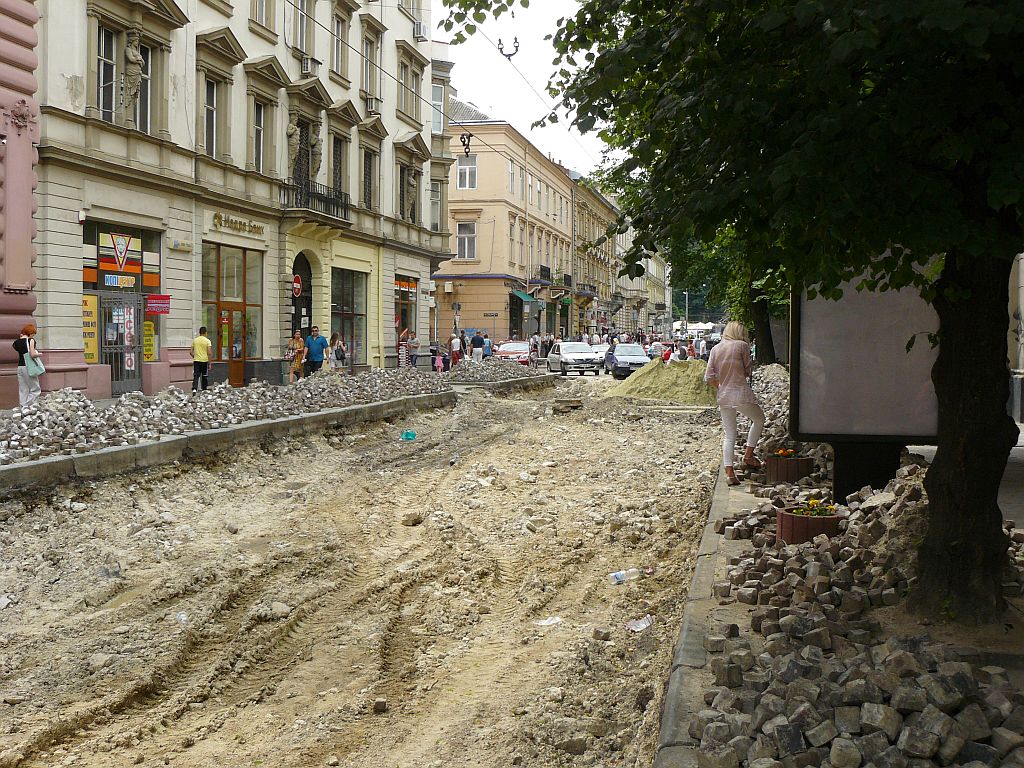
x: 484, y: 78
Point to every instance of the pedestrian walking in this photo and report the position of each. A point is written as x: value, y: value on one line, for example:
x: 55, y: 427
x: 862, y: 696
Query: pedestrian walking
x: 463, y: 343
x: 454, y: 349
x: 691, y: 351
x: 702, y: 349
x: 294, y: 354
x: 413, y: 345
x: 477, y: 342
x: 30, y: 365
x: 316, y: 346
x: 201, y: 346
x: 488, y: 346
x: 729, y: 368
x: 339, y: 352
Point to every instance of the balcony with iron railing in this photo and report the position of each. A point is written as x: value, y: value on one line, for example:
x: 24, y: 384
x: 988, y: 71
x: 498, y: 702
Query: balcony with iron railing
x: 318, y: 198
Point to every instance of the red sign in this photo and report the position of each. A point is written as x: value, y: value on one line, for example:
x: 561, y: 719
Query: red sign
x: 158, y: 304
x: 296, y: 286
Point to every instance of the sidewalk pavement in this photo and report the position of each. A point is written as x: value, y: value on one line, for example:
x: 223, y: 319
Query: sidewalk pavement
x: 690, y: 675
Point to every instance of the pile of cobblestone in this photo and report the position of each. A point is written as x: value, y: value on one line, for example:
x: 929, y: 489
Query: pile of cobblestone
x: 491, y: 370
x: 67, y: 422
x: 825, y: 688
x: 771, y: 385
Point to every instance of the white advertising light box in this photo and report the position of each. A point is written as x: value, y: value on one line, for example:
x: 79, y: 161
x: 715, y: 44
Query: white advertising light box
x: 852, y: 378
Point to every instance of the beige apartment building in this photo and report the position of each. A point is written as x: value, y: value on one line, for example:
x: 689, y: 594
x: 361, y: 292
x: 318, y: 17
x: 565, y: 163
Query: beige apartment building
x: 524, y: 232
x: 254, y: 166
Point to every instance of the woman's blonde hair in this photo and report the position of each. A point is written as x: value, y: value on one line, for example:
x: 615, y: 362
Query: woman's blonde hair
x: 736, y: 331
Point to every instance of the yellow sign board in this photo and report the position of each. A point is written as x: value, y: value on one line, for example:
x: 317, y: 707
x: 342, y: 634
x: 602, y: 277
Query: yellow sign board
x: 149, y: 341
x: 90, y: 328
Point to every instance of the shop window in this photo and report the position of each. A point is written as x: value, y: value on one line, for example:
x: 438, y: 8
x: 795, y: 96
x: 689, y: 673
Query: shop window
x: 405, y: 304
x: 233, y: 301
x: 348, y: 311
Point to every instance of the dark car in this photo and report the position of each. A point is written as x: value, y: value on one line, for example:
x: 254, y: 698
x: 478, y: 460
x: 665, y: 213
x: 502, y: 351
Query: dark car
x: 622, y: 359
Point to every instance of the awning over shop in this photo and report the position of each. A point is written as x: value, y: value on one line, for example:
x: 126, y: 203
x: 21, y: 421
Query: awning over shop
x: 523, y: 296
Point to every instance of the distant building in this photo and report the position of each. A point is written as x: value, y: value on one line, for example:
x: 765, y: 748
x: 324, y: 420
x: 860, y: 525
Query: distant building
x: 524, y: 241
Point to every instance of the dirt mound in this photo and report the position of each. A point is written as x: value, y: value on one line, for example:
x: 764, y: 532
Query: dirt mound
x: 678, y: 382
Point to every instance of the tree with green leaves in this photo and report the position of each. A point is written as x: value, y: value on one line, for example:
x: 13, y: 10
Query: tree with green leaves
x: 863, y: 141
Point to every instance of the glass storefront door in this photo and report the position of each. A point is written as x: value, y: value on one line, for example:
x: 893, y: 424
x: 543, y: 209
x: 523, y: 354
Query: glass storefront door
x: 231, y: 341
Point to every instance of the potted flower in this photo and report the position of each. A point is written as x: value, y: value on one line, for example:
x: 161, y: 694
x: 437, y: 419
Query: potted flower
x: 803, y: 523
x: 784, y: 466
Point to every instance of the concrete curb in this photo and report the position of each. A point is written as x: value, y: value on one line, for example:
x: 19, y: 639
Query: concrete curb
x: 106, y: 462
x: 675, y: 747
x: 526, y: 383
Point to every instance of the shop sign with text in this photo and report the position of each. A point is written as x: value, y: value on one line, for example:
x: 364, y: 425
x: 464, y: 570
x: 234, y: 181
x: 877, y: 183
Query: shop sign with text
x: 158, y: 304
x: 241, y: 226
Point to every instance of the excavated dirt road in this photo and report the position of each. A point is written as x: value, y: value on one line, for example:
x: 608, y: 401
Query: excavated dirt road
x: 251, y: 611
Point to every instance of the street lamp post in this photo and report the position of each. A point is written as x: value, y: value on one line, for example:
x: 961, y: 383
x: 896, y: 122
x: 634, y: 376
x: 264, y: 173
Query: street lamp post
x: 686, y: 317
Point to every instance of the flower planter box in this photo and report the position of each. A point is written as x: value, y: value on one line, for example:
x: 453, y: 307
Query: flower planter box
x: 796, y: 529
x: 787, y: 469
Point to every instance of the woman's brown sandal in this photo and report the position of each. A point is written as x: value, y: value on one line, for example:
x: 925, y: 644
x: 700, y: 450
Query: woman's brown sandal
x: 731, y: 479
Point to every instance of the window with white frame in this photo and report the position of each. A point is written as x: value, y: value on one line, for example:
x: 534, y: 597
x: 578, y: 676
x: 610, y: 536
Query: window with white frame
x: 262, y: 12
x: 538, y: 193
x: 511, y: 177
x: 530, y: 238
x: 259, y: 117
x: 210, y: 117
x: 339, y: 50
x: 522, y: 183
x: 512, y: 241
x: 369, y: 66
x: 143, y: 105
x: 467, y: 172
x: 435, y: 206
x: 304, y: 25
x: 106, y: 73
x: 522, y: 244
x: 466, y: 237
x: 403, y: 87
x: 414, y: 94
x: 529, y: 189
x: 436, y: 108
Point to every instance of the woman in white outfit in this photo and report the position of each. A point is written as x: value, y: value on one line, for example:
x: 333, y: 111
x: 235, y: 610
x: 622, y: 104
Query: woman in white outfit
x: 729, y: 368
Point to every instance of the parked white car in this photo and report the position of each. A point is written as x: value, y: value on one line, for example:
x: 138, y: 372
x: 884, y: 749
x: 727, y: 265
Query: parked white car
x: 574, y: 356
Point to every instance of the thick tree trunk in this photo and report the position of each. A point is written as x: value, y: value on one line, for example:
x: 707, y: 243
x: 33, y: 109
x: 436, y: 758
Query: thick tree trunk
x: 759, y: 305
x: 964, y: 552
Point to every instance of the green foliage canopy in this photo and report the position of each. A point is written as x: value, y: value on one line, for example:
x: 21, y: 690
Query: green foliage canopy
x: 851, y: 136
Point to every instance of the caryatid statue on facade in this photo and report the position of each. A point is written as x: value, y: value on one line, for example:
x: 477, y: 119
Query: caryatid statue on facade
x: 133, y: 65
x: 292, y: 135
x: 315, y: 154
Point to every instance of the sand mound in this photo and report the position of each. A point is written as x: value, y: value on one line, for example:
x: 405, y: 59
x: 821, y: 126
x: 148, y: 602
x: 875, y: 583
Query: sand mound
x: 677, y: 382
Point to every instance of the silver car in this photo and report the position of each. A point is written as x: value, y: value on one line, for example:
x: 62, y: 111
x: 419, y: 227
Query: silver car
x: 576, y: 356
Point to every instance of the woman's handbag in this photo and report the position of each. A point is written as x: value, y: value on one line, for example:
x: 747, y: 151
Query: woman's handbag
x: 34, y: 366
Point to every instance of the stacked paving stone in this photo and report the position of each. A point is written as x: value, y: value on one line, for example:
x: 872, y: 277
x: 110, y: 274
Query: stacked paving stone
x: 825, y: 688
x: 493, y: 369
x: 67, y: 422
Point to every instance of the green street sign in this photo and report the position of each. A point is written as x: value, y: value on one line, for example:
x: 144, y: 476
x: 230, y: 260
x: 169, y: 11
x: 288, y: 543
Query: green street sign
x: 567, y: 301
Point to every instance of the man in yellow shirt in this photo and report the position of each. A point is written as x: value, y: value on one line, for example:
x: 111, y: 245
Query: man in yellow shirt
x: 201, y: 346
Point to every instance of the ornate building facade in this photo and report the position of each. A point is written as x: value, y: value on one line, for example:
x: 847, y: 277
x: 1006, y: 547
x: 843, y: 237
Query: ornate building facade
x: 255, y: 166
